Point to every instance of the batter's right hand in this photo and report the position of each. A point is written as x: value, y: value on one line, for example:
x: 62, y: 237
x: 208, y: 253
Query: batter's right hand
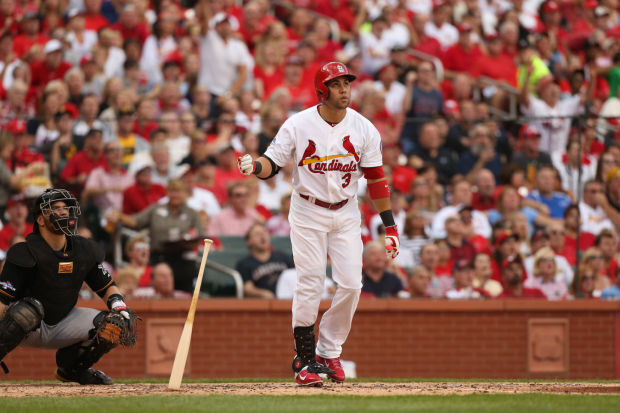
x: 245, y: 164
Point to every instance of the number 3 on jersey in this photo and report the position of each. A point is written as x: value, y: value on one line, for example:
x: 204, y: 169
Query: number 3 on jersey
x: 346, y: 178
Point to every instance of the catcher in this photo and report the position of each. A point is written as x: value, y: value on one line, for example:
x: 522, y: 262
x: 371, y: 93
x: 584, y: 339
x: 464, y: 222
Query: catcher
x: 39, y: 288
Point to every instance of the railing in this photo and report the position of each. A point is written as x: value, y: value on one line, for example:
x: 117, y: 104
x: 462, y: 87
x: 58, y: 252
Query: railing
x: 439, y: 71
x: 230, y: 272
x: 511, y: 92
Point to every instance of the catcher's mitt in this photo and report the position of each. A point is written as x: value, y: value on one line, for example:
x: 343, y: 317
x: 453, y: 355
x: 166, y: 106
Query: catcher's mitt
x: 119, y: 327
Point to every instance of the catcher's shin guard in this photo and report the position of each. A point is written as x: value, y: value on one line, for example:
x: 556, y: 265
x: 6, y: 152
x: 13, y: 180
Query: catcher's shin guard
x: 21, y: 318
x: 80, y: 357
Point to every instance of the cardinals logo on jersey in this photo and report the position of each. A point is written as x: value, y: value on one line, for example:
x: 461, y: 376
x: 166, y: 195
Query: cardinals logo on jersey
x: 320, y: 164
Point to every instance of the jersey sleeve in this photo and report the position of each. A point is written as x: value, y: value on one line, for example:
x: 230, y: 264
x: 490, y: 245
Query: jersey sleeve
x: 13, y: 282
x: 371, y: 155
x: 143, y: 218
x: 99, y: 279
x: 282, y: 147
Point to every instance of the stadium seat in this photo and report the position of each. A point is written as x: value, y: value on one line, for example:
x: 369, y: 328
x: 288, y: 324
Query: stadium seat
x: 282, y: 244
x: 234, y: 244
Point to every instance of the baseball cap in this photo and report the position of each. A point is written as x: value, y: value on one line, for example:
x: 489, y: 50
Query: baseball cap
x: 492, y: 36
x: 126, y: 111
x: 87, y: 58
x: 601, y: 11
x: 439, y: 3
x: 510, y: 260
x: 15, y: 200
x: 612, y: 174
x: 51, y: 46
x: 294, y: 60
x: 529, y: 132
x: 16, y: 126
x: 550, y: 7
x: 74, y: 12
x: 539, y: 234
x: 94, y: 132
x: 463, y: 264
x: 141, y: 164
x: 451, y: 106
x: 181, y: 170
x: 464, y: 28
x: 504, y: 235
x: 29, y: 15
x: 219, y: 18
x: 591, y: 4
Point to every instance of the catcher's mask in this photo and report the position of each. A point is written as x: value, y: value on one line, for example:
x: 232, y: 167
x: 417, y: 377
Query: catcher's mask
x: 44, y: 205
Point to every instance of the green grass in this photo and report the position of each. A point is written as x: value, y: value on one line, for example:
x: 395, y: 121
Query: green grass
x: 503, y: 403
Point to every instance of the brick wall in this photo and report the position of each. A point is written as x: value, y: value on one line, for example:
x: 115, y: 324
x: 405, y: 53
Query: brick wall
x: 390, y: 338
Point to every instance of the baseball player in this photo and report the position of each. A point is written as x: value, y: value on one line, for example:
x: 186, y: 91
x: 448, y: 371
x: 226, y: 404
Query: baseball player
x: 332, y: 146
x: 39, y: 288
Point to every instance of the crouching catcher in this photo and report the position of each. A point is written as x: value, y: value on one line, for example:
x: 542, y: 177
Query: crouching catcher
x: 39, y: 288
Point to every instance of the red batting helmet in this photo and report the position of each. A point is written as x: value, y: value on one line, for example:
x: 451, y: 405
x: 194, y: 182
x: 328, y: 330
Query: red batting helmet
x: 326, y: 73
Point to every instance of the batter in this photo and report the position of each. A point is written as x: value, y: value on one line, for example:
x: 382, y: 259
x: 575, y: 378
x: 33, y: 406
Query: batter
x: 333, y: 146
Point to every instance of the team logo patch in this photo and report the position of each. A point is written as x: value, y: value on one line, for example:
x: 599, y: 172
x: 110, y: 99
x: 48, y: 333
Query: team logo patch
x: 65, y: 267
x: 340, y: 69
x: 7, y: 286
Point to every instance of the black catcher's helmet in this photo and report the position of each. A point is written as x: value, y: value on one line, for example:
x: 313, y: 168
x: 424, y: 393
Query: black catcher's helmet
x: 43, y: 206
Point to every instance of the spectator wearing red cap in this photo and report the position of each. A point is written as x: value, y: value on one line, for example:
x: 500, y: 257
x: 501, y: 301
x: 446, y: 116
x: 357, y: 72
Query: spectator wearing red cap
x: 571, y: 227
x: 530, y: 158
x: 30, y: 34
x: 51, y: 67
x: 459, y: 57
x: 17, y: 212
x: 439, y: 27
x: 513, y: 274
x: 82, y: 163
x: 505, y: 243
x: 22, y: 156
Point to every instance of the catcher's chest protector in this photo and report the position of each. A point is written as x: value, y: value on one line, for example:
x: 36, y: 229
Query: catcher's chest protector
x: 59, y: 275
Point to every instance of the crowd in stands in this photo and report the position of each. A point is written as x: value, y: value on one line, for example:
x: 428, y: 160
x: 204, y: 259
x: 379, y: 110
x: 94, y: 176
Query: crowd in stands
x: 141, y: 109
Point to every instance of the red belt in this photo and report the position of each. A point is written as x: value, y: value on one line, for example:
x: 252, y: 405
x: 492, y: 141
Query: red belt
x: 324, y: 204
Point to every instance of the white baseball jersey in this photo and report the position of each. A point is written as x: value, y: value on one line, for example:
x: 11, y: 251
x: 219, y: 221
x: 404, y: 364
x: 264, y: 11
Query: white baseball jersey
x: 329, y: 159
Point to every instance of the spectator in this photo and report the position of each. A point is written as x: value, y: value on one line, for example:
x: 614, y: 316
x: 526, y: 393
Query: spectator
x: 607, y: 242
x: 130, y: 143
x: 269, y: 69
x: 412, y: 239
x: 439, y: 26
x: 399, y: 203
x: 419, y: 282
x: 424, y: 198
x: 16, y: 105
x: 105, y: 185
x: 613, y: 292
x: 505, y: 247
x: 224, y: 59
x: 9, y: 181
x: 237, y: 218
x: 541, y: 239
x: 571, y: 227
x: 465, y: 118
x: 512, y: 276
x: 554, y: 131
x: 376, y: 280
x: 484, y: 198
x: 461, y: 196
x: 302, y: 94
x: 481, y: 154
x: 387, y: 80
x: 429, y: 260
x: 460, y: 248
x: 497, y: 65
x: 177, y: 143
x: 50, y: 68
x: 575, y: 168
x: 162, y: 285
x: 198, y: 198
x: 545, y: 193
x: 278, y: 225
x: 87, y: 120
x: 431, y: 150
x: 461, y: 57
x: 138, y: 251
x: 174, y: 231
x: 482, y: 276
x: 126, y: 280
x: 158, y: 47
x: 81, y: 38
x: 422, y: 100
x: 463, y: 288
x: 85, y: 161
x: 16, y: 213
x: 583, y: 285
x: 544, y: 279
x: 143, y: 193
x: 262, y: 267
x: 530, y: 158
x: 594, y: 260
x: 30, y: 34
x: 375, y: 46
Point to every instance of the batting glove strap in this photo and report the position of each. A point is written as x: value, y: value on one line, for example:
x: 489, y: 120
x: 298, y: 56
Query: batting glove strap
x: 392, y: 242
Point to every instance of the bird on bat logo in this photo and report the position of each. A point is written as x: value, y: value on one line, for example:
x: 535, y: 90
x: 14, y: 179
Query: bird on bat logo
x: 310, y: 150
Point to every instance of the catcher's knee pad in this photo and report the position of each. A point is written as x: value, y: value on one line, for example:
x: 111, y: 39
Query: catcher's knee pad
x: 21, y: 318
x: 81, y: 356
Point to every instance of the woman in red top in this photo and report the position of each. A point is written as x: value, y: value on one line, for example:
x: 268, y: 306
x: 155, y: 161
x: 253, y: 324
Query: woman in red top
x: 269, y: 70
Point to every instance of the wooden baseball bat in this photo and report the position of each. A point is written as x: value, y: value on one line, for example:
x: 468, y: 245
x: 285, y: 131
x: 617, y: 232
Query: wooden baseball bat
x: 178, y: 367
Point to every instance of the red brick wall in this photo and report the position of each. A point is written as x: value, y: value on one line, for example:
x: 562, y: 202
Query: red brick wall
x: 390, y: 338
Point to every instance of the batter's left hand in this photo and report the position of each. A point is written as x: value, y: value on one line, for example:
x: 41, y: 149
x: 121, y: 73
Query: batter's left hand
x: 392, y: 242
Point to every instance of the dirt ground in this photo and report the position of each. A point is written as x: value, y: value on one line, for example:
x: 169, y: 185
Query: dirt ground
x: 361, y: 389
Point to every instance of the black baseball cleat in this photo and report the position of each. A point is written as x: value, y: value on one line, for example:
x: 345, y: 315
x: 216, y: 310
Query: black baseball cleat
x: 88, y: 376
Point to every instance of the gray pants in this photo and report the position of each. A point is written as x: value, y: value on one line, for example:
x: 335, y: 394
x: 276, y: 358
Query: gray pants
x: 72, y: 329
